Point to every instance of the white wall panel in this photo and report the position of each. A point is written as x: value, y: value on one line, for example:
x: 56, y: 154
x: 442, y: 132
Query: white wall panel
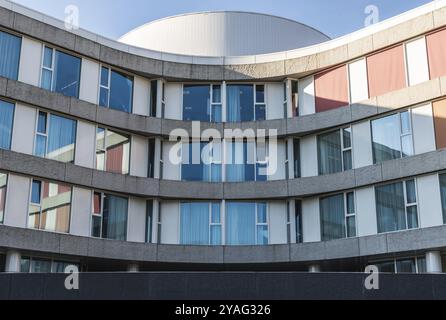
x: 274, y: 101
x: 170, y: 222
x: 89, y: 87
x: 429, y: 201
x: 17, y: 201
x: 281, y: 157
x: 23, y: 129
x: 85, y: 145
x: 366, y: 212
x: 137, y: 220
x: 311, y: 221
x: 81, y: 209
x: 139, y: 156
x: 307, y: 104
x: 141, y: 96
x: 174, y: 101
x: 359, y: 89
x: 423, y: 129
x: 30, y: 62
x: 308, y: 156
x: 362, y: 145
x: 417, y: 65
x: 278, y: 222
x: 170, y: 171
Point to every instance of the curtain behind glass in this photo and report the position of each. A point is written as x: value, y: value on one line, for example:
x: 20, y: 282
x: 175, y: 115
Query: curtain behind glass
x: 195, y: 223
x: 240, y: 223
x: 61, y: 139
x: 443, y: 195
x: 332, y: 217
x: 234, y: 107
x: 9, y: 55
x: 6, y: 120
x: 67, y: 74
x: 114, y: 224
x: 390, y: 207
x: 330, y: 153
x: 196, y: 103
x: 386, y: 137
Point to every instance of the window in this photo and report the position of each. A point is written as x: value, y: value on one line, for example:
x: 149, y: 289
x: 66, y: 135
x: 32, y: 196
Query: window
x: 151, y: 168
x: 392, y: 137
x: 295, y: 97
x: 443, y: 195
x: 39, y: 265
x: 109, y: 218
x: 153, y: 97
x: 408, y: 265
x: 10, y: 47
x: 247, y: 223
x: 112, y: 151
x: 55, y: 137
x: 3, y: 186
x: 201, y: 223
x: 338, y: 217
x: 149, y: 221
x: 299, y: 226
x: 296, y: 153
x: 285, y: 99
x: 116, y: 90
x: 262, y: 156
x: 50, y: 206
x: 397, y: 207
x: 6, y: 123
x: 159, y: 223
x: 240, y: 161
x: 202, y: 161
x: 246, y: 103
x: 163, y: 100
x: 335, y: 151
x: 60, y: 72
x: 202, y: 103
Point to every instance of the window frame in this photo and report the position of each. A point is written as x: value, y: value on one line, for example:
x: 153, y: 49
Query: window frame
x: 262, y: 224
x: 2, y: 217
x: 260, y: 104
x: 342, y: 148
x: 121, y: 72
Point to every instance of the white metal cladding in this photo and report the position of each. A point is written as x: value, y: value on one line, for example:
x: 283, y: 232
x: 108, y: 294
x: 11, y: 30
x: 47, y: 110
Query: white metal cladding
x: 221, y: 34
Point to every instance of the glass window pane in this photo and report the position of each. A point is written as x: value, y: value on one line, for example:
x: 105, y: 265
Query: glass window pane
x: 216, y: 236
x: 386, y: 267
x: 25, y: 264
x: 36, y: 191
x: 421, y: 263
x: 56, y: 207
x: 42, y: 122
x: 216, y: 93
x: 97, y: 203
x: 412, y: 217
x: 296, y: 151
x: 67, y: 74
x: 443, y: 195
x: 351, y: 203
x: 216, y: 113
x: 118, y: 152
x: 347, y: 136
x: 240, y: 223
x: 216, y: 213
x: 103, y: 97
x: 40, y: 266
x: 6, y: 123
x: 348, y: 163
x: 299, y: 227
x: 3, y: 183
x: 40, y: 146
x: 262, y: 216
x: 407, y: 146
x: 114, y: 221
x: 329, y: 153
x: 260, y: 94
x: 100, y: 160
x: 262, y: 235
x: 34, y: 216
x: 240, y: 100
x: 10, y: 47
x: 121, y: 92
x: 260, y: 112
x: 386, y: 139
x: 61, y: 139
x: 411, y: 191
x: 406, y: 266
x: 96, y: 227
x: 47, y: 78
x: 196, y: 103
x: 351, y: 226
x: 195, y: 223
x: 332, y: 217
x: 405, y: 123
x: 390, y: 205
x: 48, y: 58
x: 100, y: 139
x: 104, y: 76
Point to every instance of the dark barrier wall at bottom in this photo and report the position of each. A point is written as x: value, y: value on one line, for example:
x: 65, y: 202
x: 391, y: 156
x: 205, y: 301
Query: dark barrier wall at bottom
x: 221, y: 286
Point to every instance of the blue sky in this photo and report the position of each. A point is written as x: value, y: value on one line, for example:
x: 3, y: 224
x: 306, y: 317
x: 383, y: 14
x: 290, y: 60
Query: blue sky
x: 113, y: 18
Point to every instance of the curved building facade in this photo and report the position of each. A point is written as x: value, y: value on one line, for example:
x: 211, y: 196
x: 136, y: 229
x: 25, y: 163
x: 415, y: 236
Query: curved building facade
x: 274, y: 148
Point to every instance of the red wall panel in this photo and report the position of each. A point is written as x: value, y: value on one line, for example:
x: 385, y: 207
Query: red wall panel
x: 331, y: 89
x: 436, y: 51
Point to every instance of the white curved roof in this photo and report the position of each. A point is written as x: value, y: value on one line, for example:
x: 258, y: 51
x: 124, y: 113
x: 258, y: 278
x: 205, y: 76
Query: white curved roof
x: 223, y: 34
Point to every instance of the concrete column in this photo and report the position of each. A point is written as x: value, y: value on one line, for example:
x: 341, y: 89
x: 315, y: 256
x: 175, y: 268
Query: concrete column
x: 12, y: 261
x: 133, y: 268
x: 433, y: 262
x: 314, y: 268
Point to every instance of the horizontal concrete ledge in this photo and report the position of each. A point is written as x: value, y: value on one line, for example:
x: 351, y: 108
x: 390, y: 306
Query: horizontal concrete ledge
x: 404, y: 242
x: 32, y: 166
x: 279, y: 65
x: 295, y: 127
